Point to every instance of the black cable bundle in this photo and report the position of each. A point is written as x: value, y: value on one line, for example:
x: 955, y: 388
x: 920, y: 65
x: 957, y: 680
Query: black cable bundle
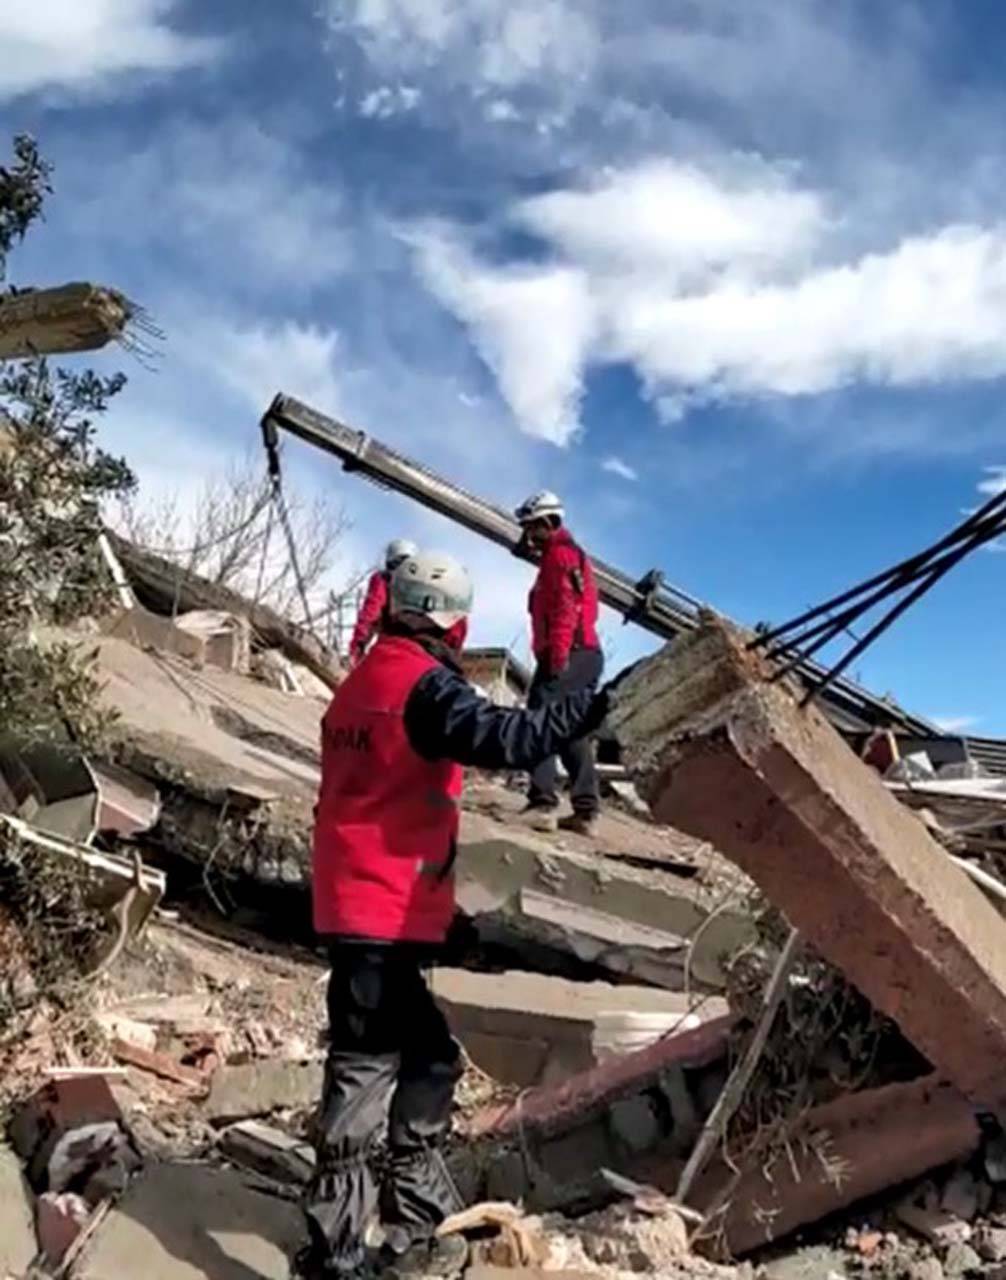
x: 801, y: 638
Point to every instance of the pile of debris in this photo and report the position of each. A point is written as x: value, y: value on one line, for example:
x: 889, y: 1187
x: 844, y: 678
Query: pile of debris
x: 686, y: 1042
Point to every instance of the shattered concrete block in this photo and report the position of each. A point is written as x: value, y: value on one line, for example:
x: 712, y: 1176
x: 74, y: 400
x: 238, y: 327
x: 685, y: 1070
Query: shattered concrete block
x: 187, y: 1222
x: 529, y: 1028
x: 960, y: 1195
x: 524, y: 892
x: 268, y: 1151
x: 260, y: 1088
x: 17, y: 1227
x: 933, y: 1223
x: 732, y: 759
x: 69, y: 317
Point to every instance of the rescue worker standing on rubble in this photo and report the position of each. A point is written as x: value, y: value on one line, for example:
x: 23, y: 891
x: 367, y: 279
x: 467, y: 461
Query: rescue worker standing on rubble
x: 393, y: 742
x: 568, y: 658
x: 373, y: 610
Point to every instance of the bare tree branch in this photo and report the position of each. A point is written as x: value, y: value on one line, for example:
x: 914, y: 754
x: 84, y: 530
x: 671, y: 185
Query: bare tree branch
x: 231, y: 537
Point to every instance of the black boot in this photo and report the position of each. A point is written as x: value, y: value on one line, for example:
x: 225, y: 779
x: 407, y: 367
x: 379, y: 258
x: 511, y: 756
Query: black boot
x: 428, y: 1258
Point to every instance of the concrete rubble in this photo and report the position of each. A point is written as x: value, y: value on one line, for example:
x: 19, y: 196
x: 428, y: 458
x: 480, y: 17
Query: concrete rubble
x: 851, y: 868
x: 70, y: 317
x: 596, y: 985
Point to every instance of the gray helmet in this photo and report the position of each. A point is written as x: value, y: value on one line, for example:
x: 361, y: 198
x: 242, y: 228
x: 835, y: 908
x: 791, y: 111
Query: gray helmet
x: 397, y: 550
x: 433, y: 586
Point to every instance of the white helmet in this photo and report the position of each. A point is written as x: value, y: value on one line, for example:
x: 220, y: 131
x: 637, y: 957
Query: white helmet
x: 539, y: 506
x: 434, y: 586
x: 397, y: 550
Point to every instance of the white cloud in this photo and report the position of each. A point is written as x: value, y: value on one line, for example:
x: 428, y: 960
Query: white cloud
x: 500, y: 43
x: 501, y: 111
x: 616, y: 467
x: 716, y: 287
x: 678, y: 222
x: 388, y: 101
x: 928, y: 310
x: 255, y: 361
x: 955, y: 724
x: 84, y: 45
x: 994, y: 482
x: 533, y: 328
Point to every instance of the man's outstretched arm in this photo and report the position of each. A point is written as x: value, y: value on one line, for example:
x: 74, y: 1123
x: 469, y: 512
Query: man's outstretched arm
x: 446, y: 719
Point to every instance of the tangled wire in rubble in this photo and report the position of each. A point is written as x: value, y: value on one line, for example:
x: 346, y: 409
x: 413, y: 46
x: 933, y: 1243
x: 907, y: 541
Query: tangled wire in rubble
x: 826, y: 1040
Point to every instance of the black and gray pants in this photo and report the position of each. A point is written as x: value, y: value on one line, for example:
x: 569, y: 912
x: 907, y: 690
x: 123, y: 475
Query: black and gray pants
x: 391, y: 1062
x: 583, y: 671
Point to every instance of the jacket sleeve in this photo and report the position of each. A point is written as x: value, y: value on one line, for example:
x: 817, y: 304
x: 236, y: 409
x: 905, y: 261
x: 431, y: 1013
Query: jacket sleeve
x: 562, y: 606
x: 369, y: 615
x: 445, y: 719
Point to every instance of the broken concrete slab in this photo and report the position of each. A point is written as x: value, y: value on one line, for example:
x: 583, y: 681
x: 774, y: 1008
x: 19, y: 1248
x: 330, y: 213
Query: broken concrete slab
x: 728, y: 757
x: 251, y: 1089
x: 526, y: 892
x: 18, y: 1245
x: 165, y: 588
x: 188, y: 1221
x: 269, y: 1151
x: 527, y: 1028
x: 68, y: 317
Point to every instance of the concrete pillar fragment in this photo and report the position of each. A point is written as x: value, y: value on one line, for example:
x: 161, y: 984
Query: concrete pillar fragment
x: 722, y: 754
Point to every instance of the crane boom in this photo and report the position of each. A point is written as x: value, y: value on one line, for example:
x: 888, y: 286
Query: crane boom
x: 650, y: 602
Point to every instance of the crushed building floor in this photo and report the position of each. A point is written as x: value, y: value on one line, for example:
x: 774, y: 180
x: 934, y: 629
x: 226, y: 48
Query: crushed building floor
x: 596, y: 989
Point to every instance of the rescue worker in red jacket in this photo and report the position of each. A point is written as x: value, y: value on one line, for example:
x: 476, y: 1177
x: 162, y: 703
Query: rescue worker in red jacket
x: 373, y: 610
x: 394, y: 739
x: 568, y: 658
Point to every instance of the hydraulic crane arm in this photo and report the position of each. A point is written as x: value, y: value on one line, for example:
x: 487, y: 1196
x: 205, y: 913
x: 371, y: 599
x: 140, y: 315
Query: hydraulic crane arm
x: 651, y: 603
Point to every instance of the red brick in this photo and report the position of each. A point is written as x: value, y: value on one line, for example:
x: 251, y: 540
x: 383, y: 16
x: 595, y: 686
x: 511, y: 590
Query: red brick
x: 160, y: 1064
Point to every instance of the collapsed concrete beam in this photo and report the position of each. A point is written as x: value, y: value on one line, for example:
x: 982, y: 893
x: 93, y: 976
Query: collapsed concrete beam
x: 724, y: 755
x: 72, y: 317
x: 530, y: 895
x: 552, y: 1109
x: 843, y: 1152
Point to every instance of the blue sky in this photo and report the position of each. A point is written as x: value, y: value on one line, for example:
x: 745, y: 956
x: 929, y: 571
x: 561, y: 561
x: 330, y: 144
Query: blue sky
x: 730, y: 276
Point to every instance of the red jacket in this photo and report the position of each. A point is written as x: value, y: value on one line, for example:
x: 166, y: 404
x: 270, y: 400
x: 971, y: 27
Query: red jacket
x: 563, y: 602
x: 371, y: 614
x: 386, y: 824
